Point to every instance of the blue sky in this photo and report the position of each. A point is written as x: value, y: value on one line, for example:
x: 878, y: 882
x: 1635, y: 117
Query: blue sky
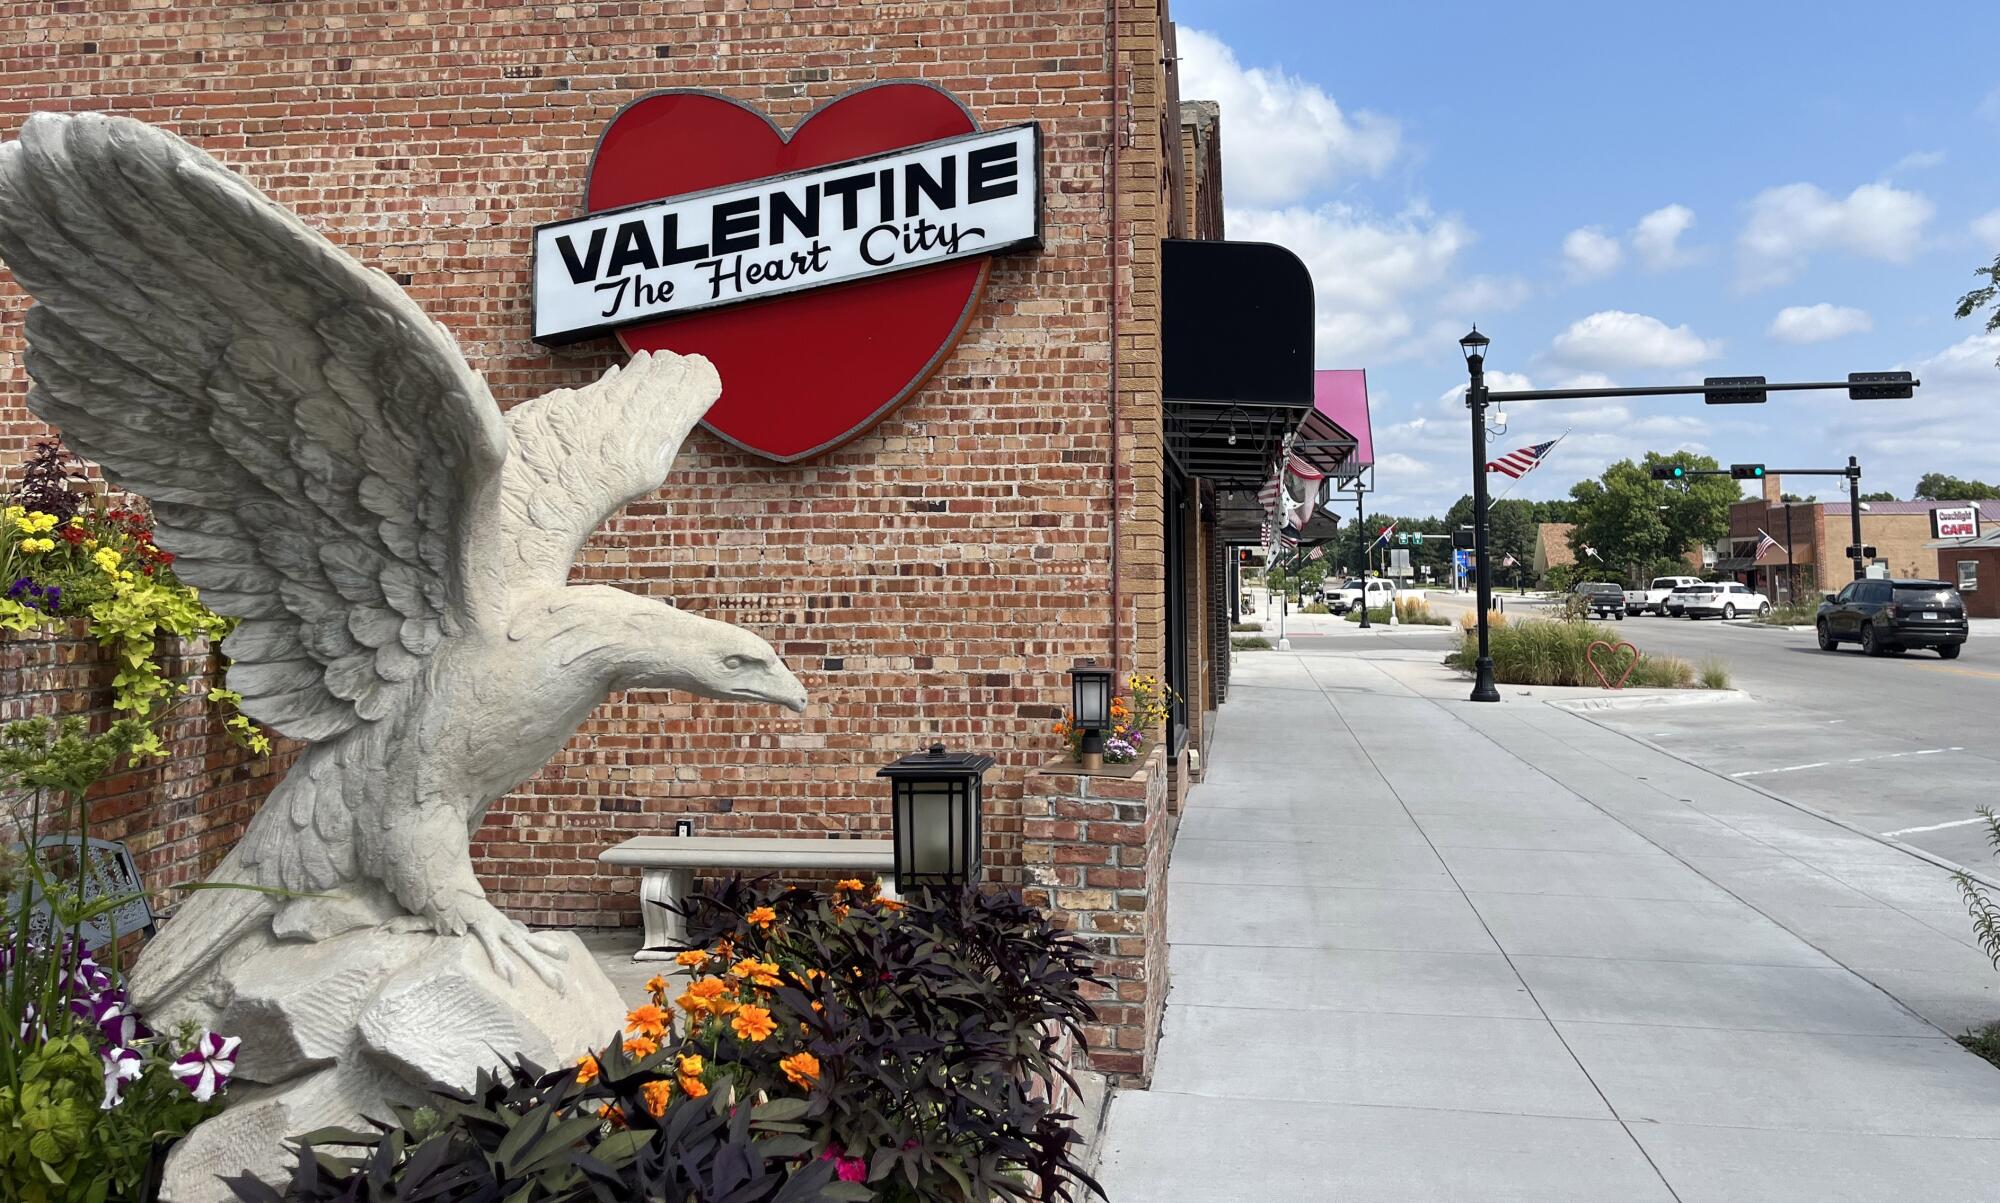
x: 1626, y: 195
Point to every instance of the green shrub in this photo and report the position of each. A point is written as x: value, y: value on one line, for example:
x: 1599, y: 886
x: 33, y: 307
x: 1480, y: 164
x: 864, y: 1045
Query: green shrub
x: 1798, y: 614
x: 1246, y: 626
x: 1314, y: 608
x: 1417, y: 612
x: 1375, y: 614
x: 1250, y: 643
x: 905, y: 1048
x: 1714, y: 674
x: 1554, y: 653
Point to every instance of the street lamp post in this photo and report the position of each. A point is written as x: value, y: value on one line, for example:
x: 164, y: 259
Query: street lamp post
x: 1854, y: 514
x: 1360, y: 535
x: 1474, y: 345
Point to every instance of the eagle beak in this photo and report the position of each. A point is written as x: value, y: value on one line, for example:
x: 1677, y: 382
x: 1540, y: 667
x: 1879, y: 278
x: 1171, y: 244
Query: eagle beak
x: 792, y: 695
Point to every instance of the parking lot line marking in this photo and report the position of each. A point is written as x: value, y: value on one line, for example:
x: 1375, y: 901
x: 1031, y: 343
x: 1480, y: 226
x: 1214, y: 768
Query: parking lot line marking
x: 1820, y: 764
x: 1963, y: 672
x: 1934, y: 827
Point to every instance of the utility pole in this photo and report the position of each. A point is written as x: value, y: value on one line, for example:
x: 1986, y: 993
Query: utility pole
x: 1361, y: 534
x: 1854, y: 514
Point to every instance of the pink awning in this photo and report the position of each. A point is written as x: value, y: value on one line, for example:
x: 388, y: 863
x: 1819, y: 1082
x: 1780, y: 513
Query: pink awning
x: 1334, y: 437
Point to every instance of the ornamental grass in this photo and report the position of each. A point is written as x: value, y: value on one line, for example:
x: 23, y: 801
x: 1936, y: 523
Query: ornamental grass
x: 1554, y: 653
x: 836, y: 1045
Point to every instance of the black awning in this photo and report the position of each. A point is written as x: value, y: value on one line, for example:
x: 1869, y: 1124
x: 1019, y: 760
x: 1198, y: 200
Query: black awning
x: 1236, y: 331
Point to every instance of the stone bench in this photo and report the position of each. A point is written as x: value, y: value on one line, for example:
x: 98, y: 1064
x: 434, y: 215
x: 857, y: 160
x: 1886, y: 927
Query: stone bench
x: 667, y: 864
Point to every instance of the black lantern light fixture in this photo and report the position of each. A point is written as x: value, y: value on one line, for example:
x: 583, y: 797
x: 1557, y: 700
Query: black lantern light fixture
x: 936, y: 808
x: 1090, y: 706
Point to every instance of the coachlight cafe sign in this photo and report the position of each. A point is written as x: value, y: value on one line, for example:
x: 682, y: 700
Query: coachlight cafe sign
x: 814, y: 244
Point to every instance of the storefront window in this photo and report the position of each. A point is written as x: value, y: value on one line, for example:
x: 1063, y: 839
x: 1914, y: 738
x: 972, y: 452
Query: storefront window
x: 1968, y: 575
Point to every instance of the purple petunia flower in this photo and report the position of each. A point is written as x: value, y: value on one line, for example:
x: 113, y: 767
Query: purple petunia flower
x: 121, y: 1065
x: 118, y: 1021
x: 205, y: 1068
x: 22, y: 584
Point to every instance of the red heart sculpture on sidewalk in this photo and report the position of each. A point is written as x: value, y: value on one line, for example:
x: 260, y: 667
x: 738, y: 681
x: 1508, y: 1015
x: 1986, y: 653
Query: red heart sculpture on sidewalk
x: 805, y: 372
x: 1590, y: 658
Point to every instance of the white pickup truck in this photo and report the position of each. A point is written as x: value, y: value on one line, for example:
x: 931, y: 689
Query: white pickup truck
x: 1653, y: 599
x: 1344, y: 597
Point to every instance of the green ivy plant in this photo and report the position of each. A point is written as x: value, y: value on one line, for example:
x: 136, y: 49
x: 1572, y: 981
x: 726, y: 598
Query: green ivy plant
x: 66, y: 554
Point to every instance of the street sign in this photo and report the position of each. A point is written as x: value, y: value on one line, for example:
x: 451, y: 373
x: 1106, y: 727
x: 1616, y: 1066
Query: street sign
x: 1399, y: 561
x: 1747, y: 471
x: 1880, y: 386
x: 1733, y: 390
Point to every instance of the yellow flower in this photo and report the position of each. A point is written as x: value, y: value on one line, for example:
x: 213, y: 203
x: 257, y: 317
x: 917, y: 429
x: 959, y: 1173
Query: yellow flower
x: 762, y: 973
x: 690, y: 1064
x: 107, y: 559
x: 763, y: 916
x: 641, y: 1046
x: 586, y: 1070
x: 801, y: 1068
x: 37, y: 546
x: 691, y: 958
x: 647, y: 1020
x: 12, y: 513
x: 655, y: 1095
x: 753, y: 1024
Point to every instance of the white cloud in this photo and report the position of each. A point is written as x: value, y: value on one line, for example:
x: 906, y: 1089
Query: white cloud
x: 1616, y: 339
x: 1901, y: 440
x: 1788, y: 223
x: 1657, y: 237
x: 1918, y: 160
x: 1366, y: 270
x: 1284, y: 137
x: 1989, y: 108
x: 1987, y: 230
x: 1589, y: 253
x: 1485, y: 294
x: 1819, y: 323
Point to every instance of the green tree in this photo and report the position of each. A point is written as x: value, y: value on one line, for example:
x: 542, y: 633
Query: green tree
x: 1631, y: 520
x: 1985, y: 295
x: 1936, y: 486
x: 1883, y: 496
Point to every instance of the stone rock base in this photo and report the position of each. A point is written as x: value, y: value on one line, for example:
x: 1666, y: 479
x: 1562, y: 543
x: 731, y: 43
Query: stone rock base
x: 344, y: 1029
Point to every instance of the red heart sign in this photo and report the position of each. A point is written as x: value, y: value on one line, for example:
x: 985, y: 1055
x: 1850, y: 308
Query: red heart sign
x: 805, y: 372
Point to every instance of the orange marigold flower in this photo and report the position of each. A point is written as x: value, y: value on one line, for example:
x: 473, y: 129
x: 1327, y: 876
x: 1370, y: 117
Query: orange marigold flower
x: 656, y: 1095
x: 647, y: 1019
x: 890, y: 904
x: 691, y: 958
x: 641, y: 1046
x: 849, y: 883
x: 690, y: 1070
x: 611, y: 1115
x: 690, y: 1064
x: 801, y: 1068
x: 840, y: 910
x: 762, y: 916
x: 694, y: 1088
x: 586, y: 1070
x: 762, y: 973
x: 753, y: 1024
x: 656, y: 986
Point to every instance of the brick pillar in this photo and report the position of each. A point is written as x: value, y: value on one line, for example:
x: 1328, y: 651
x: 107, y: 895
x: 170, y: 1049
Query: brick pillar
x: 1094, y: 855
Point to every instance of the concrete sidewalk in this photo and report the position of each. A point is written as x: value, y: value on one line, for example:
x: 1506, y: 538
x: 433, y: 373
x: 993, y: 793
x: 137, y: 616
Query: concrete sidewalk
x: 1425, y: 950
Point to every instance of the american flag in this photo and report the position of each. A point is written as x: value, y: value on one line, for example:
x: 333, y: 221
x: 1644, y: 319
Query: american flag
x: 1519, y: 463
x: 1384, y: 536
x: 1508, y: 562
x: 1765, y: 543
x: 1316, y: 552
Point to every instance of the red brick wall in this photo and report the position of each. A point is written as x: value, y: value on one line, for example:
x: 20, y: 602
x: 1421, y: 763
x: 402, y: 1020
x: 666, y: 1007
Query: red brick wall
x: 932, y: 579
x: 177, y: 815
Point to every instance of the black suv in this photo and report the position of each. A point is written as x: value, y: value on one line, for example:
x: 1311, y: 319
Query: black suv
x: 1891, y: 615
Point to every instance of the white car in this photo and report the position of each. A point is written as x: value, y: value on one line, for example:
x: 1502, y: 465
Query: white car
x: 1654, y: 598
x: 1726, y: 598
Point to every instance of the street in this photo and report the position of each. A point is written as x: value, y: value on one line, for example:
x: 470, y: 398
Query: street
x: 1902, y: 746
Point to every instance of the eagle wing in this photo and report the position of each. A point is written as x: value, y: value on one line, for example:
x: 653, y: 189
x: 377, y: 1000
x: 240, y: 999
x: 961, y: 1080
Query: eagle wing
x: 580, y: 455
x: 316, y: 450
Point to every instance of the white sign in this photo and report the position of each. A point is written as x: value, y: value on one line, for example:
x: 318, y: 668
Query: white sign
x: 1958, y: 522
x: 976, y: 194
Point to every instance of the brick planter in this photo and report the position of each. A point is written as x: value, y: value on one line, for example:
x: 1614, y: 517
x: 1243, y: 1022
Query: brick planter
x: 1094, y: 852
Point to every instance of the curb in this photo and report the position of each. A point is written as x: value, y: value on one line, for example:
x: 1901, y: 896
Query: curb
x: 1803, y: 808
x: 1653, y: 701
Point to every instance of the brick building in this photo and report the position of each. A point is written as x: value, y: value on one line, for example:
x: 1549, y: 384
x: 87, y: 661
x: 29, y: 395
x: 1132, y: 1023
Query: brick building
x: 1041, y: 496
x: 1818, y: 534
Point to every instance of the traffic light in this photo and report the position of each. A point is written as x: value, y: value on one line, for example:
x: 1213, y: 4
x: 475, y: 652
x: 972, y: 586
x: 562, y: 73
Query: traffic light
x: 1880, y: 386
x: 1677, y: 472
x: 1733, y: 390
x: 1746, y: 471
x: 1865, y: 552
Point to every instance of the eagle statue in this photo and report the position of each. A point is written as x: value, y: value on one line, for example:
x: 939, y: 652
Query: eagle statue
x: 327, y: 468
